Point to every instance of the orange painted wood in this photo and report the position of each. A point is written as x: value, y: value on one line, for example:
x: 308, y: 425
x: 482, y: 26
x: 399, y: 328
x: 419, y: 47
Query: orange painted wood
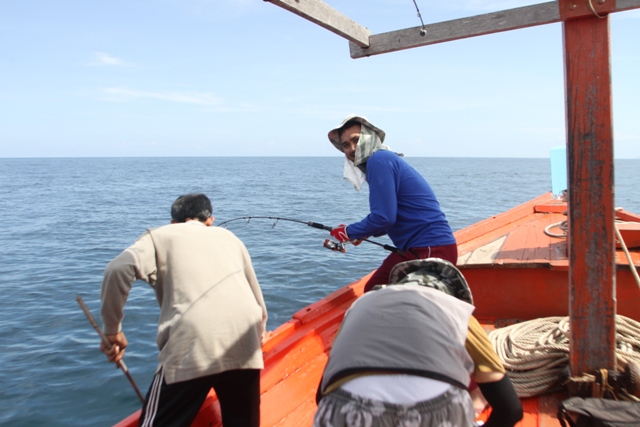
x: 518, y: 293
x: 130, y: 421
x: 337, y: 298
x: 500, y: 233
x: 297, y: 356
x: 481, y: 228
x: 293, y: 391
x: 301, y: 416
x: 552, y: 207
x: 590, y: 173
x: 630, y: 232
x: 623, y: 215
x: 528, y: 242
x: 528, y: 280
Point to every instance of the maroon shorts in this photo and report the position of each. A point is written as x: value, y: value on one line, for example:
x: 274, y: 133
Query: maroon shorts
x: 381, y: 275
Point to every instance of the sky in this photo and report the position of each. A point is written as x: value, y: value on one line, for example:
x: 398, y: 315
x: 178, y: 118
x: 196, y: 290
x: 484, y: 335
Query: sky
x: 247, y: 78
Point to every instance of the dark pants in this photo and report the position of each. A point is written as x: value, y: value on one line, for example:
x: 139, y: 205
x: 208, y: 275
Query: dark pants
x: 381, y: 276
x: 178, y: 404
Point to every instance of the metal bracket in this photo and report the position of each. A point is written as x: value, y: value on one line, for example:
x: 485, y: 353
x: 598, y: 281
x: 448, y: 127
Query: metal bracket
x: 572, y: 9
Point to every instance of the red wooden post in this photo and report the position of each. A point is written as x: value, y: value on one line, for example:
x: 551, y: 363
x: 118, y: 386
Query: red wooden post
x: 592, y: 303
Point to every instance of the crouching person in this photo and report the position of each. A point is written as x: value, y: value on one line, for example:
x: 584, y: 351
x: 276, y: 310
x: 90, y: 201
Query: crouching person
x: 405, y: 353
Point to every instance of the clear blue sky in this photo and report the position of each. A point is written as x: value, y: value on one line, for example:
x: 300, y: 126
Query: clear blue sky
x: 244, y: 77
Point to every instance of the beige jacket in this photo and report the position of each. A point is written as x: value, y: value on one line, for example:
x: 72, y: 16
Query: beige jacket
x: 212, y: 313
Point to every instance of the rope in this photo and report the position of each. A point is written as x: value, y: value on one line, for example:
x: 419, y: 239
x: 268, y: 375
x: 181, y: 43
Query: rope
x: 562, y: 225
x: 423, y: 30
x: 536, y: 352
x: 594, y: 11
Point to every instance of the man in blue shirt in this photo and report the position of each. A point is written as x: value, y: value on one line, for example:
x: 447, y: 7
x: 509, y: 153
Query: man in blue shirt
x: 402, y: 204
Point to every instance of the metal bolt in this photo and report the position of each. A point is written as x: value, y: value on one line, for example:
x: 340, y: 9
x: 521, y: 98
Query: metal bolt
x: 602, y: 1
x: 572, y: 7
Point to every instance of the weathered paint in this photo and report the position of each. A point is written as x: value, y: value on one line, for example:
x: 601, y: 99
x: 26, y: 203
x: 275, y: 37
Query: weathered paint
x: 591, y: 215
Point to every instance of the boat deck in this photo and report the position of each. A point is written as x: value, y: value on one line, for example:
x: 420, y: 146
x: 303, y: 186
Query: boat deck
x: 520, y: 238
x: 516, y: 272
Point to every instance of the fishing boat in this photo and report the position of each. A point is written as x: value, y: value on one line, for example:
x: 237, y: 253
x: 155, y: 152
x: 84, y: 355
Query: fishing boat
x: 518, y: 267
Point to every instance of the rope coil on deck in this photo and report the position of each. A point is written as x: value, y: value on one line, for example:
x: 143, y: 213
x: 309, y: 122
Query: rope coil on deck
x: 536, y: 353
x: 562, y: 225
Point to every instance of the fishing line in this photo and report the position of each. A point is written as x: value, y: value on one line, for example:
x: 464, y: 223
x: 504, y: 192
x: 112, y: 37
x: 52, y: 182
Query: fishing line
x: 335, y: 246
x: 423, y: 30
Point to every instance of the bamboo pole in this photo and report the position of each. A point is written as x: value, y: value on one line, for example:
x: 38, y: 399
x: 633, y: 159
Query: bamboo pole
x: 119, y: 364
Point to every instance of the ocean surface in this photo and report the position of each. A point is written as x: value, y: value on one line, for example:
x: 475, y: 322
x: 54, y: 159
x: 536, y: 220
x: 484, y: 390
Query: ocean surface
x: 64, y: 219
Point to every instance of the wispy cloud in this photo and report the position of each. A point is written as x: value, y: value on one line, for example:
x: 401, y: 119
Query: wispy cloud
x: 198, y: 98
x: 101, y: 58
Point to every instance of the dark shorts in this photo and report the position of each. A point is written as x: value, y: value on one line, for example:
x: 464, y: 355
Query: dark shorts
x: 178, y: 404
x: 343, y: 409
x: 381, y: 275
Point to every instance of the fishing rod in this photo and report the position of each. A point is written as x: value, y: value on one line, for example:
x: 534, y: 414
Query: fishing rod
x: 119, y: 364
x: 329, y: 244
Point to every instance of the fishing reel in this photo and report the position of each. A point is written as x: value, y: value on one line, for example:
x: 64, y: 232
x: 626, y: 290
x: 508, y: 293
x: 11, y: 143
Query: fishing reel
x: 334, y: 246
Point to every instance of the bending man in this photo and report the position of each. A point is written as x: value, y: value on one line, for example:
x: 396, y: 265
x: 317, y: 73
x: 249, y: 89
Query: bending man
x: 405, y: 352
x: 212, y: 317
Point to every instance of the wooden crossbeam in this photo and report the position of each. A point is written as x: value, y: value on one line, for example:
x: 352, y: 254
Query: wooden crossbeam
x: 362, y: 43
x: 506, y: 20
x: 324, y: 15
x: 456, y: 29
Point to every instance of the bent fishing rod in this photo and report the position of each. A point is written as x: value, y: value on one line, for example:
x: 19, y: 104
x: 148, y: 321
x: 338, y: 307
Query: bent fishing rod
x: 329, y: 244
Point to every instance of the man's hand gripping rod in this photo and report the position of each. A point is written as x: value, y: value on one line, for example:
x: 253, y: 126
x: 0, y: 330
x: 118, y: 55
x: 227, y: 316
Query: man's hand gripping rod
x: 334, y: 246
x: 339, y: 247
x: 119, y: 364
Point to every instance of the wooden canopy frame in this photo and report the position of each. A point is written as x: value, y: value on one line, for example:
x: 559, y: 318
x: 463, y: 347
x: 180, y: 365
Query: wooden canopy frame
x: 362, y: 43
x: 589, y: 136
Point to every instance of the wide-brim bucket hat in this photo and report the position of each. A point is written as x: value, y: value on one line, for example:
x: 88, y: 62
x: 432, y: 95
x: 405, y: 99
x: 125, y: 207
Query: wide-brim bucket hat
x: 334, y: 134
x: 435, y: 273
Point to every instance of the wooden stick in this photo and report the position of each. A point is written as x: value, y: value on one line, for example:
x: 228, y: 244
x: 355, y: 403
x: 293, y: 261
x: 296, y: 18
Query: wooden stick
x: 119, y: 364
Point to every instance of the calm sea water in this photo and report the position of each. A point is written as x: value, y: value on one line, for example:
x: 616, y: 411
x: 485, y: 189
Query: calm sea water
x: 64, y: 219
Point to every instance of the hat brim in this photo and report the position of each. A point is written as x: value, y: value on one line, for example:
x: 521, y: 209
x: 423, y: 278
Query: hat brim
x: 334, y: 134
x: 443, y: 269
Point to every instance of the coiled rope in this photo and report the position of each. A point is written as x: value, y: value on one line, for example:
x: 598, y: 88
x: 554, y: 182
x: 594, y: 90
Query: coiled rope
x: 562, y: 225
x: 536, y: 353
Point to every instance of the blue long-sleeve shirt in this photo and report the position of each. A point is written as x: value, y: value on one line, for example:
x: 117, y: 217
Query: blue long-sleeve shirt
x: 402, y: 205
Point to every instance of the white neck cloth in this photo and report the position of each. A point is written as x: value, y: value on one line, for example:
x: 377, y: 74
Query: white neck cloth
x: 368, y: 143
x: 353, y: 174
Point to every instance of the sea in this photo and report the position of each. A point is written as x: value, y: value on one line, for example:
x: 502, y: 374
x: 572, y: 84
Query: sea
x: 64, y: 219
